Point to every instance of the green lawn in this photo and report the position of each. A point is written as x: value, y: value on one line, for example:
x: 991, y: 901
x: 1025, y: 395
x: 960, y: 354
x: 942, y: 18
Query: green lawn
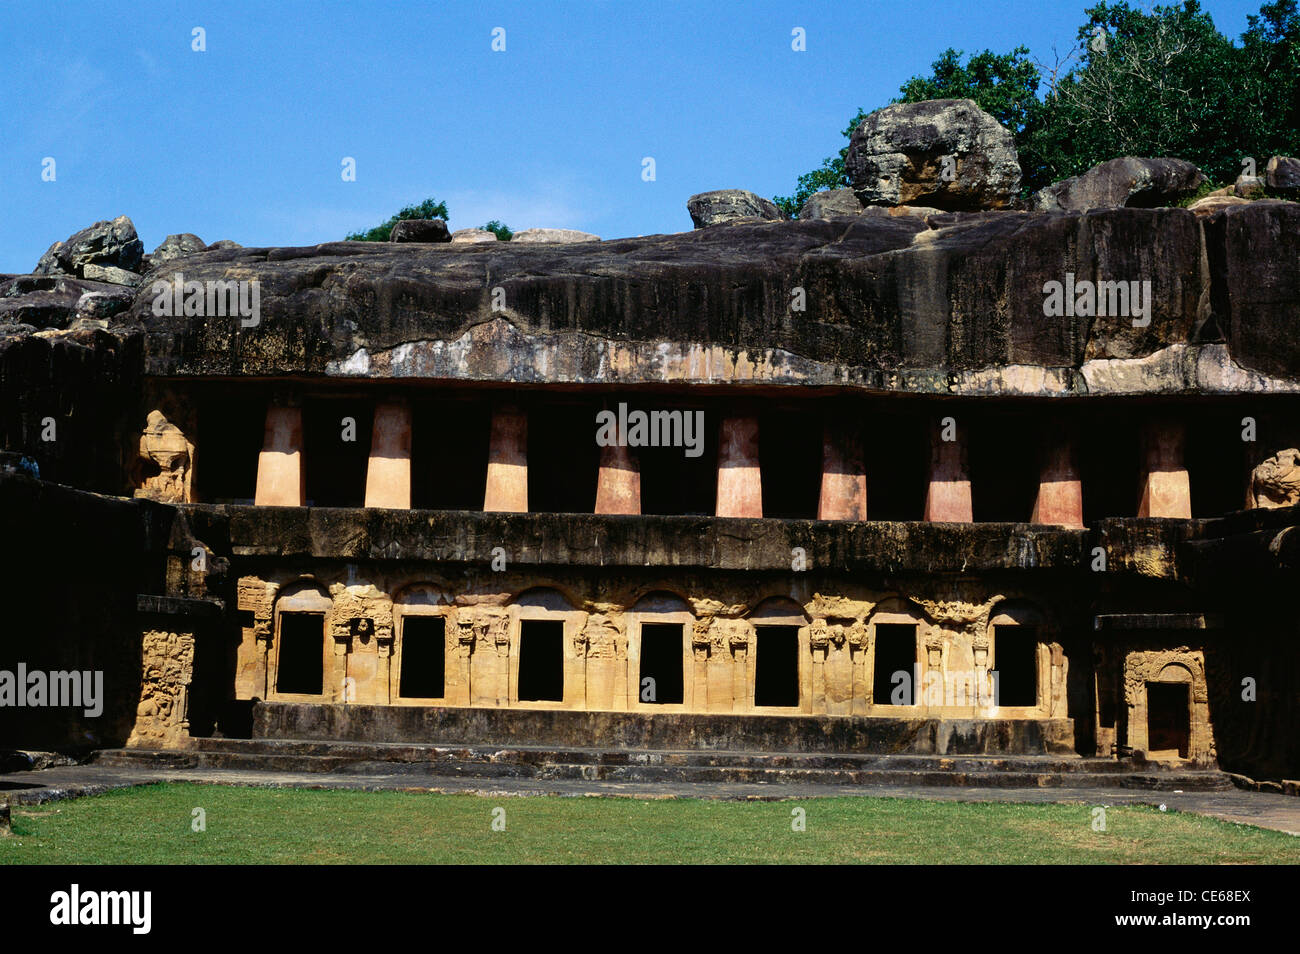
x: 153, y: 824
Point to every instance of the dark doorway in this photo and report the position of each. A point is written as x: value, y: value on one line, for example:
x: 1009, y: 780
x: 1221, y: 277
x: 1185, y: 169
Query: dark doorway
x: 897, y: 462
x: 541, y: 660
x: 671, y: 481
x: 336, y: 451
x: 563, y: 459
x: 1110, y: 465
x: 1218, y: 469
x: 424, y: 658
x: 1002, y: 454
x: 895, y: 654
x: 449, y: 454
x: 663, y: 660
x: 301, y: 664
x: 1169, y: 718
x: 230, y: 433
x: 790, y: 461
x: 776, y: 666
x: 1015, y: 653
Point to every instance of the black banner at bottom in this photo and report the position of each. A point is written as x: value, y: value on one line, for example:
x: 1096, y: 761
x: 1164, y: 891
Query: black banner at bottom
x: 139, y: 905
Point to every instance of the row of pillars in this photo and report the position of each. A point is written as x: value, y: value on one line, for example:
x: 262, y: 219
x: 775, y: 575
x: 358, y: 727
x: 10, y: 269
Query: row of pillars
x: 1165, y: 490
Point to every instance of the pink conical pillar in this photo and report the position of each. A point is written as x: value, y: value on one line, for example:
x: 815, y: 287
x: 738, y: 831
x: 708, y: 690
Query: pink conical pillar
x: 948, y: 497
x: 281, y: 481
x: 618, y: 483
x: 1060, y: 489
x: 388, y: 473
x: 1166, y: 488
x: 844, y: 475
x: 740, y: 483
x: 507, y: 472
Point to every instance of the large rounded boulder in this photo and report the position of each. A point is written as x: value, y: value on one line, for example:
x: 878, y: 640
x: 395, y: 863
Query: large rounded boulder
x: 944, y: 153
x: 722, y: 206
x: 111, y: 243
x: 420, y: 230
x: 1127, y: 182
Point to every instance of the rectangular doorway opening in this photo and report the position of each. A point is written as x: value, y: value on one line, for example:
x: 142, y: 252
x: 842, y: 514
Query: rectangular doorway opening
x: 790, y: 464
x: 671, y: 481
x: 563, y: 459
x: 336, y: 451
x: 895, y: 665
x: 424, y: 658
x: 663, y: 663
x: 1169, y: 718
x: 541, y: 660
x: 776, y: 666
x: 301, y: 665
x: 437, y: 428
x: 230, y: 433
x: 1015, y: 655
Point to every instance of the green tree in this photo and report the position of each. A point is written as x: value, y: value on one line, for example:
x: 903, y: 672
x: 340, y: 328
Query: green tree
x: 1270, y: 51
x: 1163, y: 83
x: 1004, y: 85
x: 428, y: 209
x: 502, y: 231
x: 1157, y: 82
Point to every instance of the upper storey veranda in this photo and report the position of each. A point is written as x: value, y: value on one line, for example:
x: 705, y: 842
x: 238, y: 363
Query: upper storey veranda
x: 996, y: 303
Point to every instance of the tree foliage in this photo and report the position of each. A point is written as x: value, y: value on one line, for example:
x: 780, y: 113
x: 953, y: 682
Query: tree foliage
x: 1158, y: 82
x: 1164, y: 83
x: 502, y: 231
x: 1003, y: 85
x: 428, y: 209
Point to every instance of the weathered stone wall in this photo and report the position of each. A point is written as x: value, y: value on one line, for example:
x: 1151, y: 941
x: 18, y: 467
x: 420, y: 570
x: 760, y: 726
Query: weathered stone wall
x: 65, y: 402
x: 74, y: 561
x: 106, y: 586
x: 719, y: 615
x: 87, y: 565
x: 950, y: 304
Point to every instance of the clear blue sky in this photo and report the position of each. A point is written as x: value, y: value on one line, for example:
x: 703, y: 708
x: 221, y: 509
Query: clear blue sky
x: 244, y: 141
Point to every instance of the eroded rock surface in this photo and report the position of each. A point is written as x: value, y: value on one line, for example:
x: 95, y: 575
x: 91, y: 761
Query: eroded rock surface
x: 896, y: 298
x: 473, y: 235
x: 1283, y: 173
x: 722, y: 206
x: 111, y: 243
x: 55, y: 301
x: 1128, y: 182
x: 830, y: 202
x: 553, y: 236
x: 175, y: 246
x: 945, y: 153
x: 420, y: 230
x: 1276, y: 482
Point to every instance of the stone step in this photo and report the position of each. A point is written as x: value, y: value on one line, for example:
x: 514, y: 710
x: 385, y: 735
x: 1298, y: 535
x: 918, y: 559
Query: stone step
x: 661, y: 731
x: 689, y: 767
x: 525, y: 754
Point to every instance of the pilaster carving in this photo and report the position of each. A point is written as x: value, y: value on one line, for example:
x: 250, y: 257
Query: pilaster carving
x: 857, y: 635
x: 819, y: 635
x: 257, y: 596
x: 700, y: 641
x: 603, y: 639
x: 162, y: 715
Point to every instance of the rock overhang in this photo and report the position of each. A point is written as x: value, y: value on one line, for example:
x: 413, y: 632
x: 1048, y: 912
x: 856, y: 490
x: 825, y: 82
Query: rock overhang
x: 945, y: 304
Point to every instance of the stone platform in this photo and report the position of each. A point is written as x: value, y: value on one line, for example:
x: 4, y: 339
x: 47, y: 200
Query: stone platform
x: 434, y: 725
x: 683, y: 770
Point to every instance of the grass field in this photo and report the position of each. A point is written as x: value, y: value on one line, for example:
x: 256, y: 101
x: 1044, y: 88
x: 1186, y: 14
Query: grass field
x: 154, y: 824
